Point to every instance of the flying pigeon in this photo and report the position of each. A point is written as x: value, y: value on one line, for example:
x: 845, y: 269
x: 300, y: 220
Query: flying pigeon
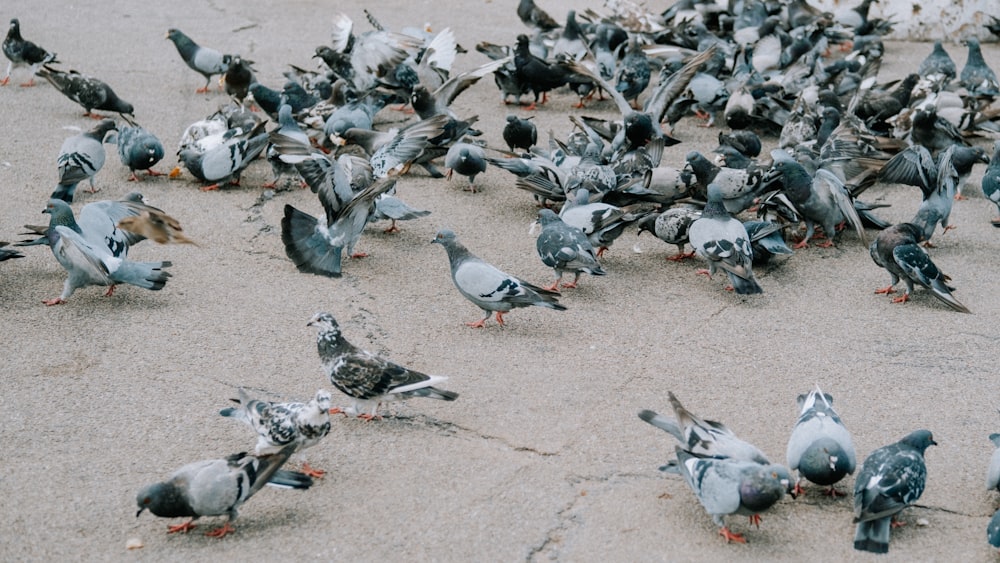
x: 19, y: 51
x: 90, y: 93
x: 702, y: 437
x: 993, y: 471
x: 217, y: 487
x: 991, y: 181
x: 280, y: 424
x: 487, y: 287
x: 897, y: 250
x: 139, y: 150
x: 723, y: 241
x: 365, y: 377
x: 732, y: 486
x: 820, y: 447
x: 92, y: 255
x: 565, y: 248
x: 203, y: 60
x: 891, y: 478
x: 80, y: 158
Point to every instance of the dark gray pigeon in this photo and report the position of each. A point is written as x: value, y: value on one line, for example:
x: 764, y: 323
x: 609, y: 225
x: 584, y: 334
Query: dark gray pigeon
x: 565, y: 248
x: 280, y: 424
x: 367, y: 378
x: 467, y: 159
x: 8, y: 253
x: 236, y: 80
x: 766, y: 241
x: 216, y: 487
x: 820, y: 446
x: 80, y: 158
x: 897, y: 249
x: 90, y: 93
x: 977, y: 77
x: 938, y: 66
x: 520, y: 133
x: 891, y: 478
x: 19, y: 51
x: 203, y: 60
x: 92, y: 255
x: 723, y: 241
x: 991, y: 181
x: 702, y: 437
x: 490, y: 289
x: 139, y: 150
x: 993, y: 470
x: 993, y: 530
x: 731, y: 486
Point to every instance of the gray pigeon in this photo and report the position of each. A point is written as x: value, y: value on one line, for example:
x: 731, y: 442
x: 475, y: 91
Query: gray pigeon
x: 226, y: 161
x: 139, y: 150
x: 766, y: 241
x: 993, y: 471
x: 991, y: 181
x: 993, y: 530
x: 391, y: 207
x: 938, y: 66
x: 938, y: 200
x: 365, y: 377
x: 732, y: 486
x: 80, y: 158
x: 891, y: 478
x: 466, y: 159
x: 280, y: 424
x: 703, y: 438
x: 820, y: 447
x: 602, y: 222
x: 487, y: 287
x: 977, y: 77
x: 897, y: 250
x: 723, y: 241
x: 565, y: 248
x: 203, y: 60
x: 93, y: 252
x: 671, y: 226
x: 214, y: 487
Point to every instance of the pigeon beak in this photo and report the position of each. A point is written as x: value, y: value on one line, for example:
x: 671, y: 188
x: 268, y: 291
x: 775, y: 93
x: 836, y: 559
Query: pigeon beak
x: 139, y: 511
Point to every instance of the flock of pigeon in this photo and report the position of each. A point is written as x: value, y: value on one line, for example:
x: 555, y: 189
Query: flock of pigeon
x: 779, y: 69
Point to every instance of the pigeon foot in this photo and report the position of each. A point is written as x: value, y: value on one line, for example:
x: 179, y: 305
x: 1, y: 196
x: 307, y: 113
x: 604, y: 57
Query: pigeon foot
x: 226, y: 528
x: 312, y: 472
x: 182, y: 528
x: 56, y: 301
x: 731, y: 537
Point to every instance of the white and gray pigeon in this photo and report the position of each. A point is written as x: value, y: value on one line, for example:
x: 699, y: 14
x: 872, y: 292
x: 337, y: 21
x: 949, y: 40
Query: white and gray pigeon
x: 217, y: 487
x: 91, y: 93
x: 565, y: 248
x: 602, y: 222
x: 367, y: 378
x: 139, y: 150
x: 891, y: 478
x: 732, y: 486
x: 490, y: 289
x: 991, y: 181
x: 93, y: 252
x: 288, y: 132
x: 280, y: 424
x: 80, y: 158
x: 671, y: 226
x: 701, y: 437
x: 820, y: 446
x: 723, y: 242
x: 227, y: 161
x: 897, y: 249
x: 993, y: 470
x: 204, y: 60
x: 19, y: 51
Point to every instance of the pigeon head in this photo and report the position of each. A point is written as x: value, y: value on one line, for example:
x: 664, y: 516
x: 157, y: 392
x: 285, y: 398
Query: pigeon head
x: 323, y: 399
x: 163, y: 499
x: 919, y: 440
x: 444, y: 237
x: 61, y: 214
x: 15, y: 29
x: 547, y: 216
x: 764, y: 487
x: 324, y: 322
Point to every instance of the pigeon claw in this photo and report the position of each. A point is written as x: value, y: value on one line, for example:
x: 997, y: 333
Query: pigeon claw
x: 755, y: 520
x: 312, y: 472
x: 885, y: 290
x: 219, y: 532
x: 833, y: 493
x: 392, y: 228
x: 182, y: 528
x: 798, y: 490
x: 28, y: 84
x: 110, y: 291
x: 476, y: 324
x: 827, y: 244
x: 499, y: 316
x: 703, y: 272
x: 202, y: 90
x: 730, y: 536
x: 902, y: 298
x: 56, y: 301
x: 680, y: 256
x: 211, y: 188
x: 359, y: 255
x: 5, y: 81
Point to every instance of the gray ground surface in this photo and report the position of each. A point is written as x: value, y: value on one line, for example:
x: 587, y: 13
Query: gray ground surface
x: 543, y: 456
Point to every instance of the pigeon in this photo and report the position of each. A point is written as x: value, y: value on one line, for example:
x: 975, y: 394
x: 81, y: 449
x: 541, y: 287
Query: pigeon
x: 225, y: 162
x: 739, y: 187
x: 280, y: 424
x: 634, y: 72
x: 90, y: 93
x: 19, y: 51
x: 766, y: 241
x: 490, y: 289
x: 392, y: 208
x: 534, y: 17
x: 891, y: 478
x: 365, y: 377
x: 993, y: 471
x: 287, y: 132
x: 991, y: 181
x: 565, y: 248
x: 732, y: 486
x: 977, y: 77
x: 602, y: 222
x: 80, y: 158
x: 520, y: 133
x: 317, y: 248
x: 237, y: 78
x: 671, y: 226
x: 536, y: 74
x: 897, y: 250
x: 993, y: 530
x: 467, y: 159
x: 723, y: 241
x: 139, y: 150
x: 932, y: 131
x: 820, y: 446
x: 203, y: 60
x: 92, y: 256
x: 217, y: 487
x: 702, y: 437
x: 938, y: 66
x: 8, y: 253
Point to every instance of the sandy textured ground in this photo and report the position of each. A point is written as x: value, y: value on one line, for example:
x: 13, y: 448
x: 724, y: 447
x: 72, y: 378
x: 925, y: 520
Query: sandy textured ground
x: 543, y: 456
